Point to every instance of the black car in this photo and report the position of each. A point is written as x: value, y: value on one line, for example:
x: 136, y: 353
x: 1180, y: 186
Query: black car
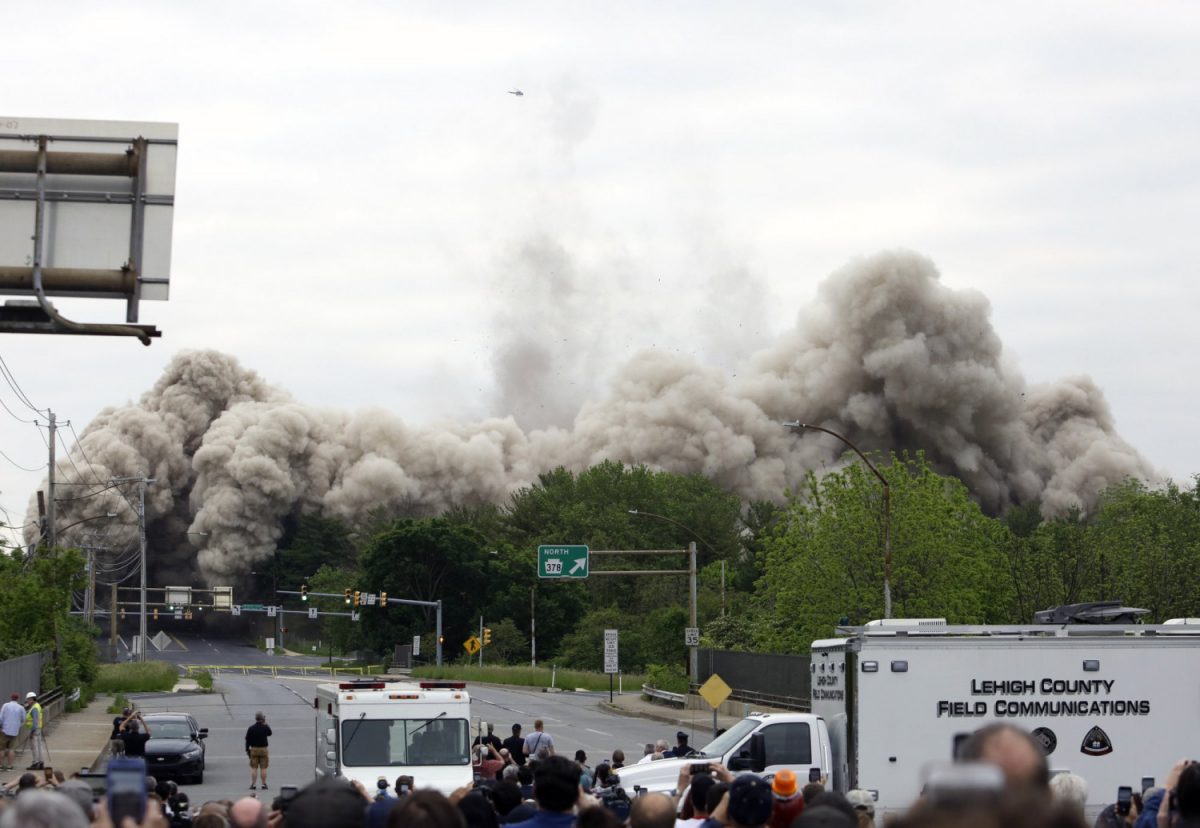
x: 176, y: 747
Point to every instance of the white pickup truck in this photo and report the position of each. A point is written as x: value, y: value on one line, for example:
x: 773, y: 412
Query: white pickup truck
x: 762, y: 742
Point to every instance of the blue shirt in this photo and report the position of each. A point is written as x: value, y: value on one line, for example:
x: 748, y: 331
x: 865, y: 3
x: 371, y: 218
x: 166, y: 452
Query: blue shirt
x: 547, y: 819
x: 12, y: 718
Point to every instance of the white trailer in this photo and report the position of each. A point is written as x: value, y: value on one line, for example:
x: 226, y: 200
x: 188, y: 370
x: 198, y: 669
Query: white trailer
x: 1114, y: 704
x: 371, y: 728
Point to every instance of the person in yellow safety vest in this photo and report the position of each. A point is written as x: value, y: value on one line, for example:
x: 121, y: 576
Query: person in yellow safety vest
x: 36, y: 722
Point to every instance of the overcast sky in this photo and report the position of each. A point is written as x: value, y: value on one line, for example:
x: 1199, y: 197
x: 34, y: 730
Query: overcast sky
x: 358, y: 197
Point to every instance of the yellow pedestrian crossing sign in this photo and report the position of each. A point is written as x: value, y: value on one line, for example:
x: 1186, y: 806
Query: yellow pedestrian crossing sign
x: 471, y: 645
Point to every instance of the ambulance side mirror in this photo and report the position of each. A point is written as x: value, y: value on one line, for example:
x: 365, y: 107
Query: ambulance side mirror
x: 331, y: 736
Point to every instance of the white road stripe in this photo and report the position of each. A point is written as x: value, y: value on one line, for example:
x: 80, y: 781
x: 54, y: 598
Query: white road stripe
x: 598, y: 732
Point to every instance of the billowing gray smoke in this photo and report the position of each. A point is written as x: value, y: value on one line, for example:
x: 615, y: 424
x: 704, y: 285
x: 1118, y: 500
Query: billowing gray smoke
x: 887, y: 355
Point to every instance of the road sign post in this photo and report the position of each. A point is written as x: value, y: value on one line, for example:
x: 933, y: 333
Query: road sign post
x: 611, y: 659
x: 563, y: 561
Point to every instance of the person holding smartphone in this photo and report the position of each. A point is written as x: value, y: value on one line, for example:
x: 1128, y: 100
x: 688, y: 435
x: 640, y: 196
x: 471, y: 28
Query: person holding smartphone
x: 257, y: 736
x: 135, y: 733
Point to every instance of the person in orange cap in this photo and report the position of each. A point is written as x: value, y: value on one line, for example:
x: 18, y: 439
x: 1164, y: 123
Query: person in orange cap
x: 789, y: 804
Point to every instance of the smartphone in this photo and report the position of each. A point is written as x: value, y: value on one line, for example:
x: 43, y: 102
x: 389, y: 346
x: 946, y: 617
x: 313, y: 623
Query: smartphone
x: 814, y: 774
x: 1147, y: 783
x: 699, y: 767
x: 1124, y: 798
x: 126, y: 785
x: 287, y: 793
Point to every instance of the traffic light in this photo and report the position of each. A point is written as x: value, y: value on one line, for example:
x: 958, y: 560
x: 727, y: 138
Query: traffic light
x: 383, y: 599
x: 357, y: 598
x: 122, y: 613
x: 156, y: 613
x: 441, y: 639
x: 487, y: 636
x: 346, y: 592
x: 304, y: 592
x: 285, y: 629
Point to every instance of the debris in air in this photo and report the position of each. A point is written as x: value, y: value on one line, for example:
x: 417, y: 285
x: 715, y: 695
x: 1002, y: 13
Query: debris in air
x: 516, y: 92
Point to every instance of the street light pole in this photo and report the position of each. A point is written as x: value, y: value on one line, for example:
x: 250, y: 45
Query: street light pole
x: 796, y: 425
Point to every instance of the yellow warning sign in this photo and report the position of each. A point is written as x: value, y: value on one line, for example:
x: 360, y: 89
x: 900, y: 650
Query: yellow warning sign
x: 715, y: 691
x: 471, y: 645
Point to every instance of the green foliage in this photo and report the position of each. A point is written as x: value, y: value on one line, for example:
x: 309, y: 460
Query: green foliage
x: 136, y: 677
x: 509, y: 645
x: 825, y: 562
x: 425, y: 560
x: 669, y: 677
x: 655, y: 638
x: 34, y: 615
x: 205, y: 680
x: 119, y: 702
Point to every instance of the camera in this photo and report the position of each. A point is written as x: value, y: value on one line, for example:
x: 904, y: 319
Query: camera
x: 1124, y: 798
x: 814, y: 774
x: 700, y: 767
x: 615, y: 800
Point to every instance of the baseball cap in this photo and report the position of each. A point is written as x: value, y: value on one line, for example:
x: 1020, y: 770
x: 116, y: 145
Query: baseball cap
x: 750, y: 800
x: 861, y: 800
x: 784, y: 783
x: 31, y: 695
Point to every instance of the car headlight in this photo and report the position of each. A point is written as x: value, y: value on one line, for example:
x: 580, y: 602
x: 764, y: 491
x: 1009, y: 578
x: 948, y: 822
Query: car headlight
x: 192, y: 752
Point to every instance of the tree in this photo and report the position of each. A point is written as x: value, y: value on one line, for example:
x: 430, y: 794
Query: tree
x: 429, y: 559
x: 825, y: 561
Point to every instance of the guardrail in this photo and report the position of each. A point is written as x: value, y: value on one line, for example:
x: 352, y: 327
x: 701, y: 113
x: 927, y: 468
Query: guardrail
x: 667, y: 696
x: 284, y: 670
x: 768, y: 699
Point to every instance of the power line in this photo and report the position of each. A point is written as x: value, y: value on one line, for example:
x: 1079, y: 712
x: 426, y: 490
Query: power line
x: 16, y: 387
x: 18, y: 465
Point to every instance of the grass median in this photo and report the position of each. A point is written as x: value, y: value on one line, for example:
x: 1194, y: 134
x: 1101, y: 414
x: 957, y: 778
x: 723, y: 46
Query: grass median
x: 136, y: 677
x: 528, y: 676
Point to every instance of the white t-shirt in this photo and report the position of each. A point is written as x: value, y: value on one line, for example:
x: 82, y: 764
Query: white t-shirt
x: 695, y: 822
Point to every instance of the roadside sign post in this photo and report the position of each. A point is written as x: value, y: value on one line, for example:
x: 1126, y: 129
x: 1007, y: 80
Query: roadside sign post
x: 563, y: 561
x: 416, y: 651
x: 715, y: 691
x: 691, y: 637
x: 611, y: 658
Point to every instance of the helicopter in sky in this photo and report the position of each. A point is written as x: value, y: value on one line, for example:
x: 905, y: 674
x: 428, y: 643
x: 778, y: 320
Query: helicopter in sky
x: 516, y: 92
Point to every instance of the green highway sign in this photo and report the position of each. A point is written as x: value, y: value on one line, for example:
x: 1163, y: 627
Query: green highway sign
x: 252, y: 607
x: 567, y: 561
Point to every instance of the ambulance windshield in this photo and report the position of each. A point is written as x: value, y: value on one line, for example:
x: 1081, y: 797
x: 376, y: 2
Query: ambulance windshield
x: 401, y: 742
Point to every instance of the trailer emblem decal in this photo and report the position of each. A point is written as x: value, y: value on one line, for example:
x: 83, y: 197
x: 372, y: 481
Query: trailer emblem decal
x: 1096, y: 743
x: 1045, y: 737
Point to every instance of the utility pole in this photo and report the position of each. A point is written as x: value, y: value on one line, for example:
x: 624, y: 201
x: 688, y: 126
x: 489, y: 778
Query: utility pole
x: 51, y: 509
x: 533, y: 625
x: 142, y: 546
x: 112, y: 619
x: 481, y: 641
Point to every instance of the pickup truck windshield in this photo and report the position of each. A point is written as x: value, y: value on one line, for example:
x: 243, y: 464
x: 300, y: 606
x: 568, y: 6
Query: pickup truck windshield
x: 401, y: 742
x: 724, y: 743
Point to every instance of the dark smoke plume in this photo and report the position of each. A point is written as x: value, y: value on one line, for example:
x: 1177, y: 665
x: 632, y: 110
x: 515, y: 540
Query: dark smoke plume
x: 886, y: 354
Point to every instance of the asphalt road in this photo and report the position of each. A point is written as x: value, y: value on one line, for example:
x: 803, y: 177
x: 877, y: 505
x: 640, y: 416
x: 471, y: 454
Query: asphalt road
x: 575, y: 720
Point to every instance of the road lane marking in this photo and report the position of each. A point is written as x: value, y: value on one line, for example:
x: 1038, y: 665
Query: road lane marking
x: 598, y: 732
x: 177, y: 641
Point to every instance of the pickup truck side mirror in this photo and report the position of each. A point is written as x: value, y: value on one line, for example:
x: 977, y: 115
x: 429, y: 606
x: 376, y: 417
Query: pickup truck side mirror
x: 752, y: 757
x: 203, y: 734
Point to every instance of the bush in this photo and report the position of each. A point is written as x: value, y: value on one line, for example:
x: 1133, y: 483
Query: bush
x: 205, y: 680
x: 119, y: 703
x: 668, y: 677
x: 135, y: 677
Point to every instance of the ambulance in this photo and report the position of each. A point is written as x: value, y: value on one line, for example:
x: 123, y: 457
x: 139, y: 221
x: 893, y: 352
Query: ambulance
x: 370, y: 728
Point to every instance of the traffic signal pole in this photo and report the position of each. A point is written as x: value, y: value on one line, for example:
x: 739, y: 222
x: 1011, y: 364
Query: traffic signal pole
x: 390, y: 600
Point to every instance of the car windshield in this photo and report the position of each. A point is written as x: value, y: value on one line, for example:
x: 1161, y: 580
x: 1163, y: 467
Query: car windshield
x: 377, y: 742
x: 170, y: 730
x: 724, y: 743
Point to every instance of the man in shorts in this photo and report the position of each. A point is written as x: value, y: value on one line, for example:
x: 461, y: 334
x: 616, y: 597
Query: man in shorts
x: 256, y: 748
x: 12, y: 718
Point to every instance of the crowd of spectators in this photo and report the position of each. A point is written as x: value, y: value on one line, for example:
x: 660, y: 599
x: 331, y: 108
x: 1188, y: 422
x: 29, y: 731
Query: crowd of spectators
x: 1002, y: 779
